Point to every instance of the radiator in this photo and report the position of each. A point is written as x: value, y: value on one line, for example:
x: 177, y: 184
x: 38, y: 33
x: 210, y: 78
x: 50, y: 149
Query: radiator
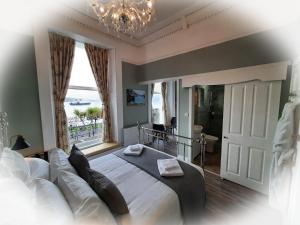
x: 131, y: 135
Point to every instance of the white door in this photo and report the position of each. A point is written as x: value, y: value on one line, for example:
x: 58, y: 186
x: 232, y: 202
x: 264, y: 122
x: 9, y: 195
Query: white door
x: 250, y: 118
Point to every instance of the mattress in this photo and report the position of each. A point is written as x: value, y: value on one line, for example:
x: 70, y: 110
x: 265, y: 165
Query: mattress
x: 149, y: 200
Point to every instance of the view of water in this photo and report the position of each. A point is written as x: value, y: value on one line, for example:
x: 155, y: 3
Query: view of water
x: 70, y: 108
x: 156, y: 101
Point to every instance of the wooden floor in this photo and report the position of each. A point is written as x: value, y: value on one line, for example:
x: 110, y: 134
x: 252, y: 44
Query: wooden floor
x: 227, y: 201
x: 212, y: 161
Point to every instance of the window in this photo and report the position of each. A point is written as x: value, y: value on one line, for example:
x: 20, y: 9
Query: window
x: 157, y: 105
x: 82, y: 104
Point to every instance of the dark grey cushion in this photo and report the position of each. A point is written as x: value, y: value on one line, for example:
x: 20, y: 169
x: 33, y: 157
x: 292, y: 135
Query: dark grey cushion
x: 79, y: 162
x: 107, y: 191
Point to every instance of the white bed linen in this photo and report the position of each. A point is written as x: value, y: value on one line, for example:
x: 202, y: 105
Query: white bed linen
x: 51, y: 203
x: 87, y: 207
x: 59, y: 162
x: 39, y: 168
x: 13, y: 164
x: 149, y: 201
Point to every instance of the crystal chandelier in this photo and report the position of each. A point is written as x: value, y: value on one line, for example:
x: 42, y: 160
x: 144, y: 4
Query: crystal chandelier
x: 125, y: 16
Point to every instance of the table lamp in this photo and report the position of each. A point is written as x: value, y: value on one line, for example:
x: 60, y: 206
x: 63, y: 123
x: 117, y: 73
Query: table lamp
x: 20, y: 143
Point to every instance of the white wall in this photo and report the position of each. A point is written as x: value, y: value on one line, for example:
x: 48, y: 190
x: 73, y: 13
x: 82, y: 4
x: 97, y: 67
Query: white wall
x: 42, y: 53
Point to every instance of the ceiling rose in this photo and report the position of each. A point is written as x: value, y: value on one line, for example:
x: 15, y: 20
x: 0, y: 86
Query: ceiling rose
x: 125, y: 16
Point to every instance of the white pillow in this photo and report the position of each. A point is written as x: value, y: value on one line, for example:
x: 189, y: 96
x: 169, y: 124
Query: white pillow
x: 13, y: 164
x: 39, y: 168
x: 87, y: 207
x: 58, y: 160
x: 17, y: 202
x: 51, y: 204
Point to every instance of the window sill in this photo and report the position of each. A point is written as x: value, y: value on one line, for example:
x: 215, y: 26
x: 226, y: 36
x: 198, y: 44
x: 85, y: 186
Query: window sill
x: 99, y: 149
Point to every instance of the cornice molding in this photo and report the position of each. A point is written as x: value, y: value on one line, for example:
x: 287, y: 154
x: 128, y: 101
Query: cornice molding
x: 209, y: 11
x: 206, y: 12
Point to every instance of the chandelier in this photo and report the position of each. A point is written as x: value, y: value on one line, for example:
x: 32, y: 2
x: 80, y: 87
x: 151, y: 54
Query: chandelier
x: 125, y: 16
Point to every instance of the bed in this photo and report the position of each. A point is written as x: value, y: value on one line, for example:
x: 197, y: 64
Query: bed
x: 150, y: 201
x: 63, y: 196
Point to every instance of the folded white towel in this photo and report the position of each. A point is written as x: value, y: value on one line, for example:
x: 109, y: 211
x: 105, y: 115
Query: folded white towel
x: 169, y: 164
x: 169, y: 168
x: 134, y: 150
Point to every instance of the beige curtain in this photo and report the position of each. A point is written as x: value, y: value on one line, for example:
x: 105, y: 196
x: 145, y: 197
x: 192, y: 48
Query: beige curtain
x: 165, y: 102
x: 98, y: 58
x: 62, y: 55
x: 152, y: 92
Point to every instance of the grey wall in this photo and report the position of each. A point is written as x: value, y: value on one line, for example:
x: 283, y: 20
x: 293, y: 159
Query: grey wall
x: 132, y: 114
x: 20, y: 98
x: 251, y: 50
x: 256, y: 49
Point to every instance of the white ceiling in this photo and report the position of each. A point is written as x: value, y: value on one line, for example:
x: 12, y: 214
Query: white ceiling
x: 167, y: 13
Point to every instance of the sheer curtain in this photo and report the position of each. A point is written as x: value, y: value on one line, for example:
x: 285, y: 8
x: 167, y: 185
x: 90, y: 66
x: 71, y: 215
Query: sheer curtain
x: 98, y: 58
x: 62, y: 55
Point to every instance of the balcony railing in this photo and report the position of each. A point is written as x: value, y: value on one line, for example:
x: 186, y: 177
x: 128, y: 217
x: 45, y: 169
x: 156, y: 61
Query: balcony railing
x: 84, y: 133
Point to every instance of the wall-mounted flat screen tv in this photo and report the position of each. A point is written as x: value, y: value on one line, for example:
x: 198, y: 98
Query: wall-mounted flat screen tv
x: 136, y: 97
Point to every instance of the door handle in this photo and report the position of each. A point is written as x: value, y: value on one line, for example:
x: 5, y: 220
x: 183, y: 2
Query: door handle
x: 225, y: 137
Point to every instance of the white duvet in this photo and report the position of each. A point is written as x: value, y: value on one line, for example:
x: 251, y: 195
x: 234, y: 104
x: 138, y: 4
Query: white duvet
x: 149, y: 200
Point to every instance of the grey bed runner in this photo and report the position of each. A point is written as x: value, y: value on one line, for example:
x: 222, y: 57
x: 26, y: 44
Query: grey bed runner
x: 190, y: 188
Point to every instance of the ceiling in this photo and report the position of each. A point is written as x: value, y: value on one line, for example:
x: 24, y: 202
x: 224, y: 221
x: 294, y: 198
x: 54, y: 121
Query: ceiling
x: 167, y: 13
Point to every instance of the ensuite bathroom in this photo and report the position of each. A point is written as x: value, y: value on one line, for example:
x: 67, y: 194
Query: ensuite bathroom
x: 208, y: 119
